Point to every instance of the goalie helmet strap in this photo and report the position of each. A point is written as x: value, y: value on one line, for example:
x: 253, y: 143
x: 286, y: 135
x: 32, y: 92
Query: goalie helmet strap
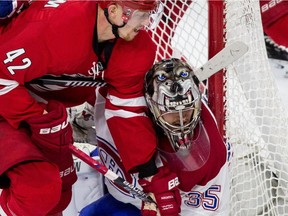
x: 114, y: 27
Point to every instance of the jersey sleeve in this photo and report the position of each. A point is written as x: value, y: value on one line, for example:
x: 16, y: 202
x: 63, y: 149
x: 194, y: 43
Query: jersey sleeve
x: 21, y: 59
x: 126, y: 109
x: 26, y: 52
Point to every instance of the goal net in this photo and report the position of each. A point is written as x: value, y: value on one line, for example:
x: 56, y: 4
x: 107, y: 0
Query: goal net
x: 244, y: 97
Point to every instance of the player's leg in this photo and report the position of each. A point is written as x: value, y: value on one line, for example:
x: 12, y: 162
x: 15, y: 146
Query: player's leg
x: 30, y: 185
x: 34, y: 189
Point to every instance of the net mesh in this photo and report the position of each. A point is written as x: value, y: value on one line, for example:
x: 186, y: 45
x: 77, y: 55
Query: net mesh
x: 255, y: 120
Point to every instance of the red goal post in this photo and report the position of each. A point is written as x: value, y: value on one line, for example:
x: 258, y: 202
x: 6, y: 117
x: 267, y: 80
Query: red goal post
x: 244, y: 97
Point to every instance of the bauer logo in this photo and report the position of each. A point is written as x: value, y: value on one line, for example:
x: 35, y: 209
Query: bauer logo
x: 54, y: 129
x: 173, y: 183
x: 270, y: 5
x: 67, y: 171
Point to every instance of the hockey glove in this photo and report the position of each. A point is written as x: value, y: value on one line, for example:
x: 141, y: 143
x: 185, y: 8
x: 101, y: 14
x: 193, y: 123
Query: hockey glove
x: 52, y: 134
x: 163, y: 188
x: 82, y: 125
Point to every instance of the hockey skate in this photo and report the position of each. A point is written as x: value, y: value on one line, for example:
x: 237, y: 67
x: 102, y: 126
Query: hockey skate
x: 277, y: 54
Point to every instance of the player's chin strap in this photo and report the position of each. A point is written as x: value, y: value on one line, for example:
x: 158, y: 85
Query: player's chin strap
x: 114, y: 27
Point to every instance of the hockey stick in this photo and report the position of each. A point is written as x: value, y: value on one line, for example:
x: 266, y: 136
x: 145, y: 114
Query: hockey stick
x: 222, y: 59
x: 68, y: 81
x: 111, y: 175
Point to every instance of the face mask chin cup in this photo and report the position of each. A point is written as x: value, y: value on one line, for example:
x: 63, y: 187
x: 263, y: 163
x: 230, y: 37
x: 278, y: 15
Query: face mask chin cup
x: 192, y: 158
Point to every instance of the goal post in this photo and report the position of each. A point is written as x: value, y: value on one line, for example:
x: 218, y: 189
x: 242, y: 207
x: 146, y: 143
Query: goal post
x: 215, y: 44
x: 244, y: 97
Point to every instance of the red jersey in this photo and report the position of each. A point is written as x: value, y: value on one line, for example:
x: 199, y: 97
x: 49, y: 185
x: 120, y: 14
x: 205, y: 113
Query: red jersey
x: 57, y: 38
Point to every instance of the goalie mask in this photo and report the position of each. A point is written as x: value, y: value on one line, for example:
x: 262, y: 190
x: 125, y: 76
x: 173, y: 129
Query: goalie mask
x: 174, y: 99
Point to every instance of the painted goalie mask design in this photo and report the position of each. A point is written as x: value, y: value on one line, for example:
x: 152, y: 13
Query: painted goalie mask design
x: 174, y: 98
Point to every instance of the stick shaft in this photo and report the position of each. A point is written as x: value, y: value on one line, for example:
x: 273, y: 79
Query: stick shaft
x: 68, y: 81
x: 222, y: 59
x: 110, y: 175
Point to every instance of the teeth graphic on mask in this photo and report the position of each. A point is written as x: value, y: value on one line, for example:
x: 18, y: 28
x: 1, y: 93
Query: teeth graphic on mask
x: 180, y: 103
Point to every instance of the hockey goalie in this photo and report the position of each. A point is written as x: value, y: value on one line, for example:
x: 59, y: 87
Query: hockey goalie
x: 192, y: 156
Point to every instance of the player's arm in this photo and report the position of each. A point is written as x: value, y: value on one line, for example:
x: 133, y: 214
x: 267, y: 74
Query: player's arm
x: 16, y: 102
x: 134, y: 135
x: 23, y: 57
x: 125, y: 111
x: 19, y: 62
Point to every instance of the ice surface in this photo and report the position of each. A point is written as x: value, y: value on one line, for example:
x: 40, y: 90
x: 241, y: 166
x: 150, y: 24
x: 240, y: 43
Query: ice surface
x: 281, y: 77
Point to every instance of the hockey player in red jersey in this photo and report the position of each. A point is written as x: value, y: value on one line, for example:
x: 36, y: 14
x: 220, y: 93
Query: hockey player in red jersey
x: 191, y: 152
x: 75, y: 38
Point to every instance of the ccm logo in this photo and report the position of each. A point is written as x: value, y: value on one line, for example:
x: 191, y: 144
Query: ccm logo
x: 54, y: 129
x: 173, y: 183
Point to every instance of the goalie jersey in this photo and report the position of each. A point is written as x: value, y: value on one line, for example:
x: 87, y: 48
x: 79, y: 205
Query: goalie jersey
x: 205, y: 191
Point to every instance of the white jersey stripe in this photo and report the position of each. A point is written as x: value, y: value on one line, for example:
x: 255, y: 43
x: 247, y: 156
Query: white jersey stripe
x: 121, y: 113
x: 131, y: 102
x: 8, y: 86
